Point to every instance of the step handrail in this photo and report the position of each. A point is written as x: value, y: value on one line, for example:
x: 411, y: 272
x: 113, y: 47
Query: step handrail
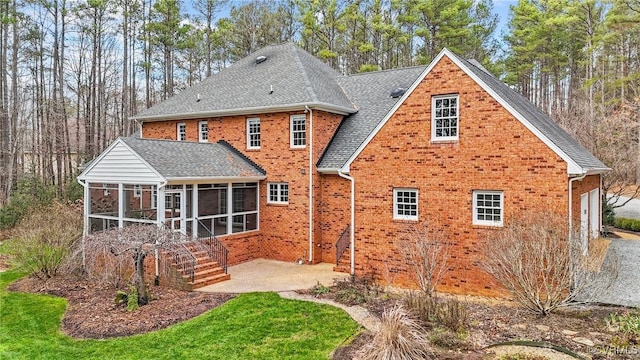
x: 214, y: 247
x: 342, y: 244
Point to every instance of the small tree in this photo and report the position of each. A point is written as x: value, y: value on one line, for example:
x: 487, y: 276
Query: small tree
x: 427, y: 252
x: 542, y: 267
x: 137, y: 241
x: 43, y: 240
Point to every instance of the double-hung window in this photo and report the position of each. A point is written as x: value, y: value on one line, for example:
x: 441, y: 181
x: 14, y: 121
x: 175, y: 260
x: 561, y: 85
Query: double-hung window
x: 405, y: 204
x: 298, y: 131
x: 278, y: 193
x: 181, y: 132
x: 203, y: 131
x: 444, y: 118
x: 488, y: 208
x: 253, y: 133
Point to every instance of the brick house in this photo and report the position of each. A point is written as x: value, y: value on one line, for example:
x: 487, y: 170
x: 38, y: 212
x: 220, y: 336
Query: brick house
x: 280, y: 157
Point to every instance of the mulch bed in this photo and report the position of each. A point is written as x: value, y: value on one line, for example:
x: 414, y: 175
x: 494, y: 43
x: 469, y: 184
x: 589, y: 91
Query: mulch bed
x: 92, y: 312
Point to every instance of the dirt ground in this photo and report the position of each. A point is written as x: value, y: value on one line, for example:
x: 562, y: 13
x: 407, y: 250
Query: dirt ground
x: 583, y: 330
x: 92, y: 312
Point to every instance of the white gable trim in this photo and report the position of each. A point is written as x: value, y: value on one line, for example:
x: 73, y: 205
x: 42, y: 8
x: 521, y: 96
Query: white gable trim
x: 572, y: 166
x: 84, y: 176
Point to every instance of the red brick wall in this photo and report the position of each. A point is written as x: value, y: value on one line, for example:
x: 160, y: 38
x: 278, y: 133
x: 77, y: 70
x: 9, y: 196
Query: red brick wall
x: 334, y: 207
x: 284, y: 229
x: 494, y: 152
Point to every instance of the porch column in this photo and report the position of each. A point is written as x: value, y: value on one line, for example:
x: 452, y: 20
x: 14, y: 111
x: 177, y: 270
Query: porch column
x: 194, y: 211
x: 160, y: 205
x: 229, y: 208
x: 121, y: 205
x: 87, y: 208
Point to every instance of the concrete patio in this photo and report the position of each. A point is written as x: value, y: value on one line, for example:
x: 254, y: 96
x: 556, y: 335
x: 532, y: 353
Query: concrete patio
x: 263, y: 275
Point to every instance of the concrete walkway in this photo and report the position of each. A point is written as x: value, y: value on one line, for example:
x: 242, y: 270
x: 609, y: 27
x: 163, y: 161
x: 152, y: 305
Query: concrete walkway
x: 269, y: 275
x: 263, y: 275
x: 626, y: 288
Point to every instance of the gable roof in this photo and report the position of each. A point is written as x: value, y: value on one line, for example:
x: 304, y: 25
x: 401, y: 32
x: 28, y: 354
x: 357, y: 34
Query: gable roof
x: 372, y: 94
x: 528, y: 113
x: 137, y: 160
x: 340, y: 153
x: 288, y: 79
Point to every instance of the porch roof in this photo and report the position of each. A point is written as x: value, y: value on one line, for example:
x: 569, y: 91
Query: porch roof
x: 142, y: 161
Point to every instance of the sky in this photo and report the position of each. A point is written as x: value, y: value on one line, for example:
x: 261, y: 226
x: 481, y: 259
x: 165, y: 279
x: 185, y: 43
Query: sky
x: 501, y: 7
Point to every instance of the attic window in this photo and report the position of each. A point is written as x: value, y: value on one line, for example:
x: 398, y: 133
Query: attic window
x: 261, y: 59
x: 397, y: 92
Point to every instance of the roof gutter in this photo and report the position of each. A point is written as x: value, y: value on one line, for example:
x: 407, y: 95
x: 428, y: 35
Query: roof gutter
x: 200, y: 179
x: 249, y: 111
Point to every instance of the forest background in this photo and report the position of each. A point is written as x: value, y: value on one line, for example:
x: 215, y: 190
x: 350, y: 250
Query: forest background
x: 72, y: 73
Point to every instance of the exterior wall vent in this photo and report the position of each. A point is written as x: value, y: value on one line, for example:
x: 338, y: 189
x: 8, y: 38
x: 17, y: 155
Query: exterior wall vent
x: 261, y: 59
x: 396, y: 93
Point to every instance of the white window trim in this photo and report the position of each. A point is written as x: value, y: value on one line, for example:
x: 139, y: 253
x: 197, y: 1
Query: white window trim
x: 475, y: 208
x: 433, y: 118
x: 279, y: 193
x: 178, y: 133
x: 259, y: 133
x: 291, y: 120
x: 203, y: 134
x: 397, y: 216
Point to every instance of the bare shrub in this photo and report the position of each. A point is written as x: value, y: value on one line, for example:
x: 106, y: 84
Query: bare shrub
x: 399, y: 337
x: 534, y: 259
x: 43, y: 240
x: 427, y: 252
x: 450, y: 313
x: 102, y: 266
x: 123, y: 251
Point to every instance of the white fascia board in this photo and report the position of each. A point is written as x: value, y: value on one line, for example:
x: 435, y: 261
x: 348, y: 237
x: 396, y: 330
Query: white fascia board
x: 209, y: 179
x: 94, y: 162
x: 249, y: 111
x: 572, y: 166
x: 83, y: 175
x: 391, y: 112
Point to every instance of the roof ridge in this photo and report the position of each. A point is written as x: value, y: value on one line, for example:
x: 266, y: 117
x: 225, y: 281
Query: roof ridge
x: 305, y: 76
x: 386, y: 70
x: 243, y: 156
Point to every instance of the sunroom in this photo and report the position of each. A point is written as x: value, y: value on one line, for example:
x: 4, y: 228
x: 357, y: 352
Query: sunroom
x: 198, y: 189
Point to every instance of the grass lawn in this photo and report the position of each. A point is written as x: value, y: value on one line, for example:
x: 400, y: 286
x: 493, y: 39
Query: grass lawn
x: 251, y: 326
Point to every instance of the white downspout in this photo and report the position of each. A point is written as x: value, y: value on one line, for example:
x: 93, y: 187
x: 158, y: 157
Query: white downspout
x: 310, y: 182
x: 579, y: 178
x: 352, y: 225
x: 85, y: 219
x: 601, y: 228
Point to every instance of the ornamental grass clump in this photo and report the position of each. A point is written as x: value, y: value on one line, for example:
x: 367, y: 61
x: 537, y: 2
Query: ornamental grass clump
x: 400, y: 336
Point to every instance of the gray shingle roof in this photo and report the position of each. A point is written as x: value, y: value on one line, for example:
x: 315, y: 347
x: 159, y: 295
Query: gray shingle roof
x: 182, y: 159
x: 371, y: 92
x: 295, y: 76
x: 541, y: 121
